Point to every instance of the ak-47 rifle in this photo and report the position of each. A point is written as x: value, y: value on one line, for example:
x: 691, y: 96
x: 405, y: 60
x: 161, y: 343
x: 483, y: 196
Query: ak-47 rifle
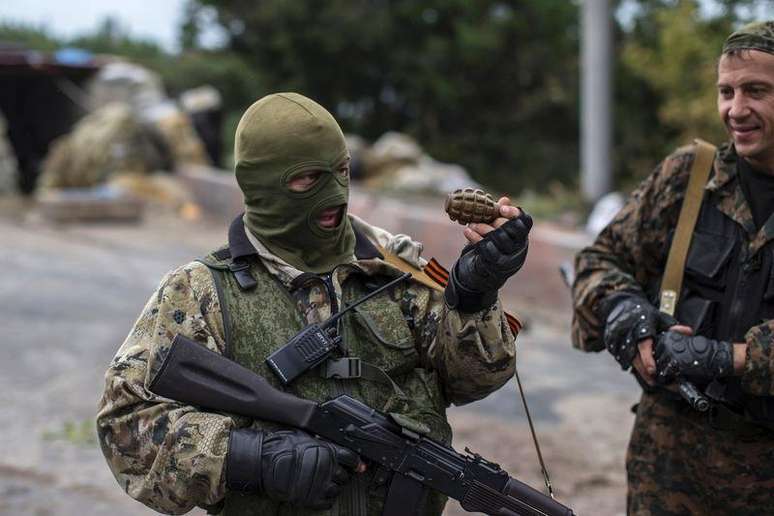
x: 193, y: 374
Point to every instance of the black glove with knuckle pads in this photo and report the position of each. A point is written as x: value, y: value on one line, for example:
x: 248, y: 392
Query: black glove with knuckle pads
x: 696, y: 357
x: 288, y: 466
x: 630, y: 319
x: 484, y: 267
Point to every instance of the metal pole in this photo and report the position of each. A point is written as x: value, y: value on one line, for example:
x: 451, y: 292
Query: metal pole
x: 596, y: 99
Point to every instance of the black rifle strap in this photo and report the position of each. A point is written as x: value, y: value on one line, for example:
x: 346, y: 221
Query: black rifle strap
x: 405, y: 498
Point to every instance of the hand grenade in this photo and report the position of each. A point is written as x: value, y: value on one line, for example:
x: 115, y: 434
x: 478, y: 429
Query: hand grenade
x: 470, y: 205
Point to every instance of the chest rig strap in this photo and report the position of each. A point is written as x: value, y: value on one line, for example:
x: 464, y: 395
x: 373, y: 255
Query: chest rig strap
x: 352, y: 368
x: 242, y: 253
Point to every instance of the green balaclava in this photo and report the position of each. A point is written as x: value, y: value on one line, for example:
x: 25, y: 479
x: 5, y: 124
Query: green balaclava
x: 753, y: 36
x: 279, y: 137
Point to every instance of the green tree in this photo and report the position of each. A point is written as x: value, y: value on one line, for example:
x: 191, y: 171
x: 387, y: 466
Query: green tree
x: 113, y: 38
x: 26, y: 36
x: 681, y: 66
x: 488, y: 84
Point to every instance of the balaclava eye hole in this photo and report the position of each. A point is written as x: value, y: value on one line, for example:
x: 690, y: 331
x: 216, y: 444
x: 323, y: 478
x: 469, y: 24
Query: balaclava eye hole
x: 305, y: 180
x: 341, y: 173
x: 319, y: 174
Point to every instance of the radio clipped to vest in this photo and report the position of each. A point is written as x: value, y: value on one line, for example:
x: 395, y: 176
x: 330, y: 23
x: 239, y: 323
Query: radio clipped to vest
x: 315, y: 343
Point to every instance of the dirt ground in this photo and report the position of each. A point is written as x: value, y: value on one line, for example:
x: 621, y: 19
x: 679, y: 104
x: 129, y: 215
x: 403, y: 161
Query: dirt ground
x: 70, y: 294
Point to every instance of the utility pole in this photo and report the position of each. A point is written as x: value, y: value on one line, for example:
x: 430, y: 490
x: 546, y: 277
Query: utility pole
x: 596, y: 99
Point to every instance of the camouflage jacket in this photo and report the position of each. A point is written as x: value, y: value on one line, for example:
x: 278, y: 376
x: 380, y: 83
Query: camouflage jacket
x: 171, y: 457
x: 630, y: 253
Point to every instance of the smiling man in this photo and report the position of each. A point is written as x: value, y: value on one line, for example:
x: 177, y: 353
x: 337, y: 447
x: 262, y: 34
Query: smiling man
x: 294, y: 258
x: 681, y: 461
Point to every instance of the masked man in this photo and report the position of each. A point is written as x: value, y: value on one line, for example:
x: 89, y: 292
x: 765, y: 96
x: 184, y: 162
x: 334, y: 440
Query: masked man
x: 294, y: 258
x: 681, y: 461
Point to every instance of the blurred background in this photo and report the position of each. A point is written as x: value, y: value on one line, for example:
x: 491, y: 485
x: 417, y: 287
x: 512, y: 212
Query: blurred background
x: 116, y: 135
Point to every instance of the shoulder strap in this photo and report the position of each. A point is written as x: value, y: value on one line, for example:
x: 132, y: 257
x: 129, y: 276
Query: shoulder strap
x: 242, y: 251
x: 217, y: 280
x: 672, y: 281
x: 435, y: 276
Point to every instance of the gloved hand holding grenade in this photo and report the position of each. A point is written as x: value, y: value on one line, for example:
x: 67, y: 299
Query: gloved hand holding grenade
x: 484, y: 266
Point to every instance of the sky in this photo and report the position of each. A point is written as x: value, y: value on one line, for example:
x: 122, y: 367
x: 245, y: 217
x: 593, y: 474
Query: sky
x: 150, y: 19
x: 160, y: 22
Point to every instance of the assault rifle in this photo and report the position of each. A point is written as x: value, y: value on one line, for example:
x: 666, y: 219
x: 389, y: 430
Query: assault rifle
x: 193, y: 374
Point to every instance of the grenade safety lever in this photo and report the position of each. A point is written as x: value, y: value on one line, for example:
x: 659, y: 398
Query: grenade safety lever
x: 314, y: 344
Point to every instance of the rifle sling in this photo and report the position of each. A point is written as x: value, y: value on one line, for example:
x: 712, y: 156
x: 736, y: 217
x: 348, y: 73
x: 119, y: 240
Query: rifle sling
x: 672, y: 281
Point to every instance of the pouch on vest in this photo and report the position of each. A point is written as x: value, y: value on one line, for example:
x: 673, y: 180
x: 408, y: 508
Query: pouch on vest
x: 705, y: 281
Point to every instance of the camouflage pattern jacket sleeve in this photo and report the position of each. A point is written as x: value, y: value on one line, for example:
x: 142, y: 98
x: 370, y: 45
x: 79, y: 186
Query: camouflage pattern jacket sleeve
x: 630, y: 253
x: 149, y: 442
x: 758, y: 374
x: 475, y: 354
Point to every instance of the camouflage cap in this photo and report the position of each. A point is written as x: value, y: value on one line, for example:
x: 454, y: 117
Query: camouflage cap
x: 753, y: 36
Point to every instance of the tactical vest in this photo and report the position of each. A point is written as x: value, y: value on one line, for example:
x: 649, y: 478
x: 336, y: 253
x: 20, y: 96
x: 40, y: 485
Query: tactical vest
x: 726, y: 291
x: 261, y: 318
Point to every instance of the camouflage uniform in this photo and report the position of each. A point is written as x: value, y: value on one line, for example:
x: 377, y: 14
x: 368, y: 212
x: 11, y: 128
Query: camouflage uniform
x: 171, y: 456
x: 677, y: 463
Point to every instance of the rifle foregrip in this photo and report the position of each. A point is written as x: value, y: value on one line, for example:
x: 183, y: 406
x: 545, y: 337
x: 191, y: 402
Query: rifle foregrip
x: 538, y: 500
x: 516, y: 499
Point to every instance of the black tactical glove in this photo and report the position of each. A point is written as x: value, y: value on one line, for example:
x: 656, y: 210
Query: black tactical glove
x: 288, y: 466
x: 630, y: 319
x: 697, y: 357
x: 485, y: 266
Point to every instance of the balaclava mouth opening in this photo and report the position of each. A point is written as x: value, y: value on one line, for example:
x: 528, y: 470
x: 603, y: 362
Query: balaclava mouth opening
x: 282, y: 136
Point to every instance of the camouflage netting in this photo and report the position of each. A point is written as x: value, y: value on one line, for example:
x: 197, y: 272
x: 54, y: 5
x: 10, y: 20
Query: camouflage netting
x: 8, y: 164
x: 184, y: 144
x: 108, y: 141
x: 143, y: 91
x: 126, y: 83
x: 396, y: 162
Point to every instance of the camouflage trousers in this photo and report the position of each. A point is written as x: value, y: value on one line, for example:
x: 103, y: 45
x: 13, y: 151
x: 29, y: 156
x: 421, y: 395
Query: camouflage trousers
x: 677, y: 464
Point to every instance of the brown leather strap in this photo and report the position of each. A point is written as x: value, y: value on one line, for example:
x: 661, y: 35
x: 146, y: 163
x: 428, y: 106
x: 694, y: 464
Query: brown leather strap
x: 417, y: 274
x: 672, y: 281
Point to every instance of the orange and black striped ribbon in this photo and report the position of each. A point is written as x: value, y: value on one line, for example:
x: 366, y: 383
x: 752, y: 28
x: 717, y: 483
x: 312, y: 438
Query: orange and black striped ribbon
x: 440, y: 275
